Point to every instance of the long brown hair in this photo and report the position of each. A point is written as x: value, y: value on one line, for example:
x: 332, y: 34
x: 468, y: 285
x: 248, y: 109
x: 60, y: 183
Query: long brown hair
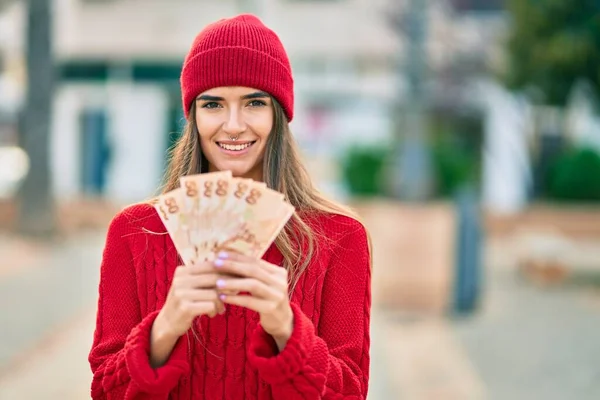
x: 283, y: 171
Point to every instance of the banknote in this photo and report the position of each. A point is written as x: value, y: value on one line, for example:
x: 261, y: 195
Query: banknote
x: 274, y: 227
x: 214, y: 211
x: 169, y: 207
x: 254, y: 221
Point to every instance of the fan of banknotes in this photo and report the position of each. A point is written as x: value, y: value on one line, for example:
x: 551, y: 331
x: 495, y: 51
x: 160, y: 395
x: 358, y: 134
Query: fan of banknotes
x: 213, y: 212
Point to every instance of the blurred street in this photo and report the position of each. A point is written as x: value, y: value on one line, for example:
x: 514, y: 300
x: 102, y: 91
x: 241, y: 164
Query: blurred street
x: 47, y: 299
x: 506, y: 351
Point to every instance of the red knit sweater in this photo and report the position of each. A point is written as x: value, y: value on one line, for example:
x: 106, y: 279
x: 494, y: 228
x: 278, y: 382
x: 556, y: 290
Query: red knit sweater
x: 231, y: 356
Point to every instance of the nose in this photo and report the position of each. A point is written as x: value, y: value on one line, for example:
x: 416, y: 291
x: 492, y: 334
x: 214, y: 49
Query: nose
x: 234, y: 124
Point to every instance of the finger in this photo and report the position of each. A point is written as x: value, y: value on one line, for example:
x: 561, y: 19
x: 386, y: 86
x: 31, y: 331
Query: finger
x: 239, y: 257
x: 253, y: 286
x: 249, y: 302
x: 198, y: 295
x: 201, y: 308
x: 196, y: 281
x: 190, y: 270
x: 271, y: 268
x: 220, y: 307
x: 278, y: 281
x: 242, y: 269
x: 228, y: 291
x: 242, y: 258
x: 200, y: 268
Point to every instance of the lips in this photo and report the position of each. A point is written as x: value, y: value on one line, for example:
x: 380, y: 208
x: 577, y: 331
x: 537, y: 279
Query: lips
x: 235, y: 146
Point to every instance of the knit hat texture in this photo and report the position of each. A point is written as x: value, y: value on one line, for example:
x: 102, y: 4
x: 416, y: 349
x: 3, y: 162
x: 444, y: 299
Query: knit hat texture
x: 238, y: 51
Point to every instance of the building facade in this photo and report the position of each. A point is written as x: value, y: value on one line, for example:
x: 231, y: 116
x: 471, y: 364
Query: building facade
x: 117, y: 105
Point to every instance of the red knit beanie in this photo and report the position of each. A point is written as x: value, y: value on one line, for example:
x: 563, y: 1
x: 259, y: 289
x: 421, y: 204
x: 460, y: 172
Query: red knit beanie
x: 238, y: 51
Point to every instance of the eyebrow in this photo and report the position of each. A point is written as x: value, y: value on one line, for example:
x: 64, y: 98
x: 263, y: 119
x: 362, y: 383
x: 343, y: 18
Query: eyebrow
x: 255, y: 95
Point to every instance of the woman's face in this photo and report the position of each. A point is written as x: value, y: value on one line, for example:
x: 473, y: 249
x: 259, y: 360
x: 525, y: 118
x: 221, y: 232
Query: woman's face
x: 227, y: 113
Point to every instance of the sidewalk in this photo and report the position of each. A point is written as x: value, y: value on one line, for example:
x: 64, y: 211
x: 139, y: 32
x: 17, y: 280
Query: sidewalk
x: 534, y: 342
x: 42, y: 290
x: 422, y: 360
x: 58, y: 370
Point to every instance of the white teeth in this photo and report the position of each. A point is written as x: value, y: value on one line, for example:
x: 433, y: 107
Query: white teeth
x: 236, y: 147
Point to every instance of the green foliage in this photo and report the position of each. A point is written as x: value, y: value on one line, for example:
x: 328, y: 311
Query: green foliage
x: 363, y: 168
x: 576, y: 176
x: 453, y: 167
x: 456, y: 143
x: 553, y: 44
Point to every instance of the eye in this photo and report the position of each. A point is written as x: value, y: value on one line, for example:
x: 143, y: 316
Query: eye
x: 211, y: 105
x: 257, y: 103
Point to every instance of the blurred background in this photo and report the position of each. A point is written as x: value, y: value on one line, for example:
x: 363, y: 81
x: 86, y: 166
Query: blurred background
x: 465, y: 132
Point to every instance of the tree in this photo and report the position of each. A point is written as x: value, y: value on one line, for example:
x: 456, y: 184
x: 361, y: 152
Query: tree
x: 36, y: 206
x: 552, y: 45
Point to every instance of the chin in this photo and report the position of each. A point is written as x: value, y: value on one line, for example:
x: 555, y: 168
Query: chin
x: 239, y: 173
x: 236, y: 170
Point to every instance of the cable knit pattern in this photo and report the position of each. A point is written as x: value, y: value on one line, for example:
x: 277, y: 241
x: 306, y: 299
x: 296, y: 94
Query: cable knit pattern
x: 230, y: 356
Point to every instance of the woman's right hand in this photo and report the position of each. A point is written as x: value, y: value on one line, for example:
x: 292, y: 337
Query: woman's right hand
x: 193, y: 293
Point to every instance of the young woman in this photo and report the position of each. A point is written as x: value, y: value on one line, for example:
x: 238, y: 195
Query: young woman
x: 294, y: 325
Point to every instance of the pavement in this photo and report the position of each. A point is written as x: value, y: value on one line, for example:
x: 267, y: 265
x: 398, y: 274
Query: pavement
x: 47, y: 309
x: 534, y: 341
x: 56, y: 368
x: 525, y: 342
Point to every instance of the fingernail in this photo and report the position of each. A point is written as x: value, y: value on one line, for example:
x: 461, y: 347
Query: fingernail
x: 219, y: 262
x: 220, y: 283
x: 223, y: 255
x: 222, y: 296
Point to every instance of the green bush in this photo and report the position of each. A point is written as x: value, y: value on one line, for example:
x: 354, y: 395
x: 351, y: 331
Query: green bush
x: 576, y: 176
x: 362, y: 169
x: 453, y: 167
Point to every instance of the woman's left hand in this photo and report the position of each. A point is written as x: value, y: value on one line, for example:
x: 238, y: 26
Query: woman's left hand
x: 268, y: 288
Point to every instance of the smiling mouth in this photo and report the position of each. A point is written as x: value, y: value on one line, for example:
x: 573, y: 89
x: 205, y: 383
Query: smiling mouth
x: 235, y: 147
